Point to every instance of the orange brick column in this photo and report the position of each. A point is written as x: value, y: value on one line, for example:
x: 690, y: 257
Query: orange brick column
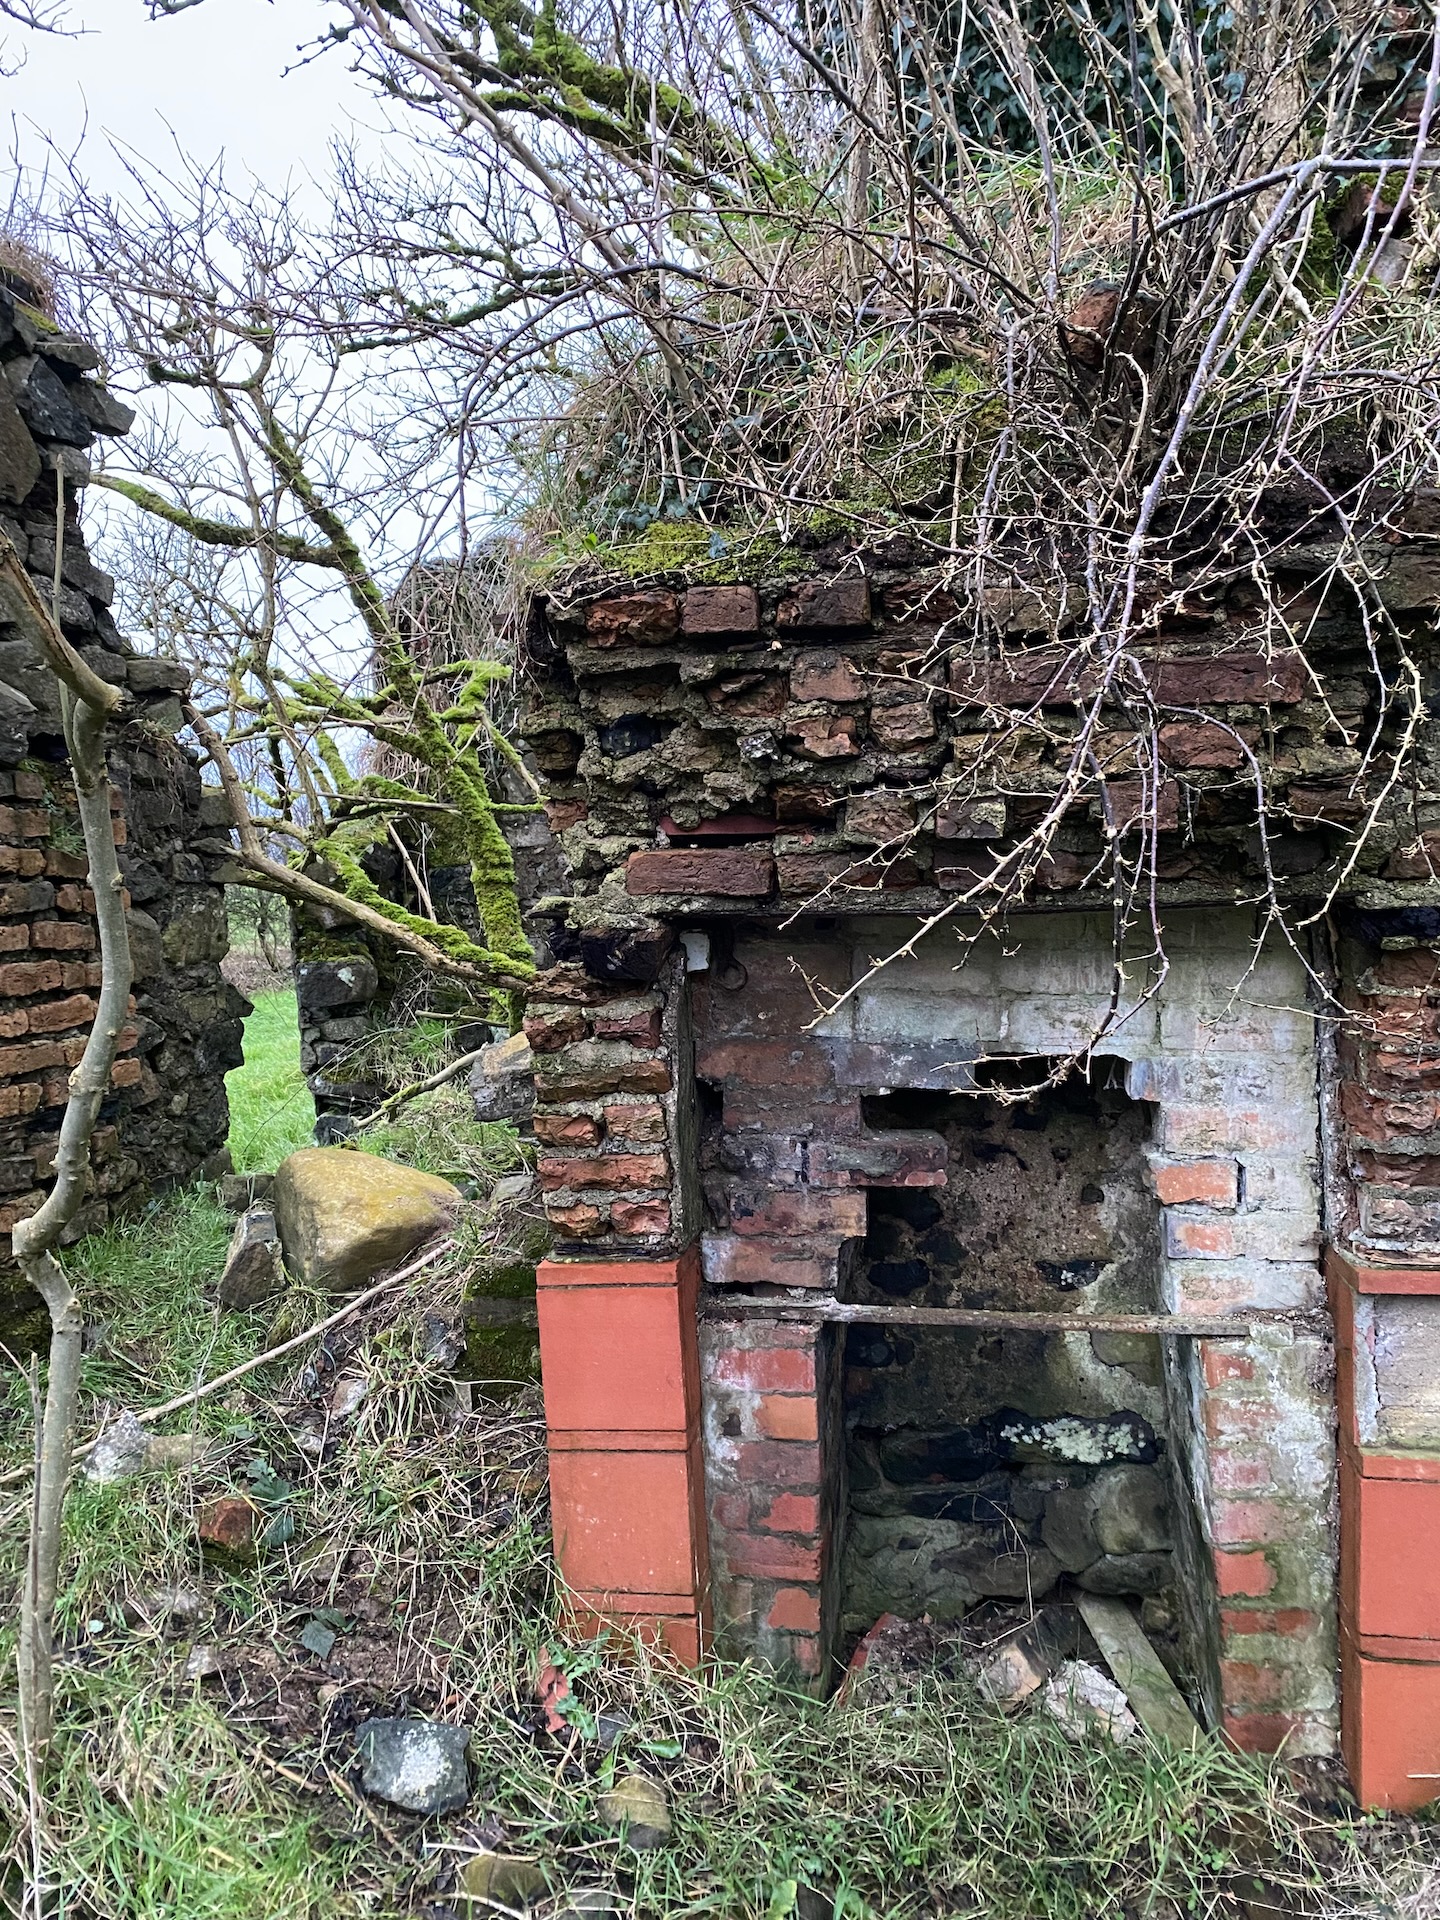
x: 1389, y: 1561
x: 620, y: 1363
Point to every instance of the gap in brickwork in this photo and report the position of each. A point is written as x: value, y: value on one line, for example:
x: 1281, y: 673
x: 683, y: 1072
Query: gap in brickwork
x: 1001, y: 1467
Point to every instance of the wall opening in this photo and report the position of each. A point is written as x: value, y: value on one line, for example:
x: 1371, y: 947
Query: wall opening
x: 1005, y: 1466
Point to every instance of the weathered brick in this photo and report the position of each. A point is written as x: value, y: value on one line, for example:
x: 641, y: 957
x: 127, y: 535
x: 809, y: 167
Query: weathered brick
x: 824, y: 736
x: 732, y: 872
x: 767, y: 1369
x: 1248, y: 1684
x: 899, y: 727
x: 66, y: 866
x: 69, y: 936
x: 784, y: 1416
x: 14, y: 939
x: 592, y: 1083
x: 548, y: 1029
x: 834, y: 1210
x: 579, y: 1222
x: 56, y: 1016
x: 1248, y: 1523
x: 640, y: 1029
x: 634, y: 619
x: 825, y: 675
x: 126, y: 1073
x: 568, y: 1130
x: 22, y: 977
x: 34, y: 1058
x: 1287, y: 1622
x: 609, y: 1170
x: 73, y: 899
x: 32, y: 823
x: 795, y: 1609
x: 768, y: 1557
x: 734, y: 1262
x: 842, y: 602
x: 647, y: 1219
x: 1207, y: 1183
x: 1248, y: 1574
x: 709, y: 610
x: 1200, y: 744
x: 642, y: 1121
x: 778, y: 1463
x: 790, y: 1513
x: 13, y: 1023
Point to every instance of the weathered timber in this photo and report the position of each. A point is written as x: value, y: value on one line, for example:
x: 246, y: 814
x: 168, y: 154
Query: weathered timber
x: 1138, y: 1670
x: 1184, y: 1326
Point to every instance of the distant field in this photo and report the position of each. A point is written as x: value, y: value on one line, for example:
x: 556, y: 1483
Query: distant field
x: 271, y: 1111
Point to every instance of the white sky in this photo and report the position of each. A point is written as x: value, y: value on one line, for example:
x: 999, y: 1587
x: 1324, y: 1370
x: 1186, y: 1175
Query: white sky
x: 215, y: 75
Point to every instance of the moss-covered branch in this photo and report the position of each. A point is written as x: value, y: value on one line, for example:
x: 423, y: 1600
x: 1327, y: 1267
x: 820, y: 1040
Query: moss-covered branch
x: 218, y: 533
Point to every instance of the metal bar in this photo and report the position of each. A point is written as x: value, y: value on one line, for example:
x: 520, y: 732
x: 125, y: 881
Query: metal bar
x: 1185, y: 1326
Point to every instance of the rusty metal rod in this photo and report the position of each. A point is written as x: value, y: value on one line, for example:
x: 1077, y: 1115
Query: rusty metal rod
x: 1186, y: 1326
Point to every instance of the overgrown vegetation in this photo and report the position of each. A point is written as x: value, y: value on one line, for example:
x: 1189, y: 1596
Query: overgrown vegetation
x: 272, y: 1112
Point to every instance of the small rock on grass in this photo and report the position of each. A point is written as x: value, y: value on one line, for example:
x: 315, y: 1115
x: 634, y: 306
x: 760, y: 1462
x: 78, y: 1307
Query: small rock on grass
x: 126, y: 1448
x: 228, y: 1530
x: 415, y: 1764
x: 499, y: 1879
x: 638, y: 1804
x: 254, y: 1271
x: 1010, y: 1675
x: 1086, y: 1702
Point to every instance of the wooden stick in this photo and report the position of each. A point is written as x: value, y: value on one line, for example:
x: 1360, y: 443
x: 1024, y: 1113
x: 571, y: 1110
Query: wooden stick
x: 1187, y: 1326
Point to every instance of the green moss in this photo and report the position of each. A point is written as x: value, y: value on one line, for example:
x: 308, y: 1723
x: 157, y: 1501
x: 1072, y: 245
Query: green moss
x: 504, y: 1358
x: 502, y: 1280
x: 702, y: 556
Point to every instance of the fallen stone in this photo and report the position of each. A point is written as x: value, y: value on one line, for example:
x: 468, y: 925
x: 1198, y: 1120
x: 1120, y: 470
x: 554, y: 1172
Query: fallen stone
x: 228, y: 1530
x: 1130, y: 1510
x: 1084, y: 1703
x: 500, y: 1880
x: 176, y: 1452
x: 203, y: 1662
x: 343, y: 1217
x: 415, y: 1764
x: 119, y: 1453
x: 637, y: 1805
x: 175, y: 1609
x: 587, y: 1900
x: 1010, y: 1675
x: 254, y: 1271
x: 240, y: 1191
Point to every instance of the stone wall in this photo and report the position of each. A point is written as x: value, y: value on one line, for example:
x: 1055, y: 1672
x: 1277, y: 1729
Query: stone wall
x: 166, y: 1118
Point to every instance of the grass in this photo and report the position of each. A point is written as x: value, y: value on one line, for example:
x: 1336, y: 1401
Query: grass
x: 411, y: 1525
x: 271, y: 1111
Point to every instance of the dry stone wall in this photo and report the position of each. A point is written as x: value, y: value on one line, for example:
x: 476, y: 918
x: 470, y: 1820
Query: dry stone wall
x: 166, y: 1117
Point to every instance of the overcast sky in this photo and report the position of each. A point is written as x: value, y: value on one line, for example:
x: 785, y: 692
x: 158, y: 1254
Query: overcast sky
x: 215, y: 75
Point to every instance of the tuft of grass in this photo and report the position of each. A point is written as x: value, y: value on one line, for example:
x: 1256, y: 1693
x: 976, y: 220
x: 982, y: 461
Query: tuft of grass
x: 438, y: 1133
x: 271, y: 1109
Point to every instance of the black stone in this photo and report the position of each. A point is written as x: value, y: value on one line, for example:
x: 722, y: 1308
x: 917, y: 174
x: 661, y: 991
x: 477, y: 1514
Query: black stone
x: 916, y: 1206
x: 625, y: 953
x: 47, y: 408
x: 1070, y: 1274
x: 632, y: 733
x: 20, y: 463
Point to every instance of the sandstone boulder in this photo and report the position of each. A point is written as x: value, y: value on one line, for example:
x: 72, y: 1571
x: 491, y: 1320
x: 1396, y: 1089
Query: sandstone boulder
x: 344, y: 1217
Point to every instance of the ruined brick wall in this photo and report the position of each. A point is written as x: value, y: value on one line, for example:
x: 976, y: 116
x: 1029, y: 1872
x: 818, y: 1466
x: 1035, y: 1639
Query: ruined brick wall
x: 735, y: 771
x: 166, y: 1117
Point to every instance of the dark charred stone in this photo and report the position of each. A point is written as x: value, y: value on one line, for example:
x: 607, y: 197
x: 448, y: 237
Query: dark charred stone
x: 625, y: 953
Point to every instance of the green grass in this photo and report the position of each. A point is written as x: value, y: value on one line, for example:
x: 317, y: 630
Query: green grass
x: 271, y: 1111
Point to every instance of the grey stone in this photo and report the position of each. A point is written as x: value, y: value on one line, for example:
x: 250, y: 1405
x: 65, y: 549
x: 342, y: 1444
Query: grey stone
x: 241, y: 1190
x: 1130, y: 1510
x: 345, y: 1031
x: 45, y: 403
x: 119, y: 1453
x: 147, y: 950
x: 18, y: 666
x: 151, y: 673
x: 166, y: 716
x: 106, y: 665
x: 100, y: 407
x: 638, y: 1804
x: 1128, y: 1573
x: 68, y: 354
x: 20, y: 464
x: 254, y: 1271
x: 348, y: 982
x: 415, y: 1764
x: 1068, y: 1528
x: 215, y: 808
x: 197, y: 929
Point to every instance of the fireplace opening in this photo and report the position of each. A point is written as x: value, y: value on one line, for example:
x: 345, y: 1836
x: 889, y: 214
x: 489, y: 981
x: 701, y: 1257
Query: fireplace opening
x: 1011, y: 1465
